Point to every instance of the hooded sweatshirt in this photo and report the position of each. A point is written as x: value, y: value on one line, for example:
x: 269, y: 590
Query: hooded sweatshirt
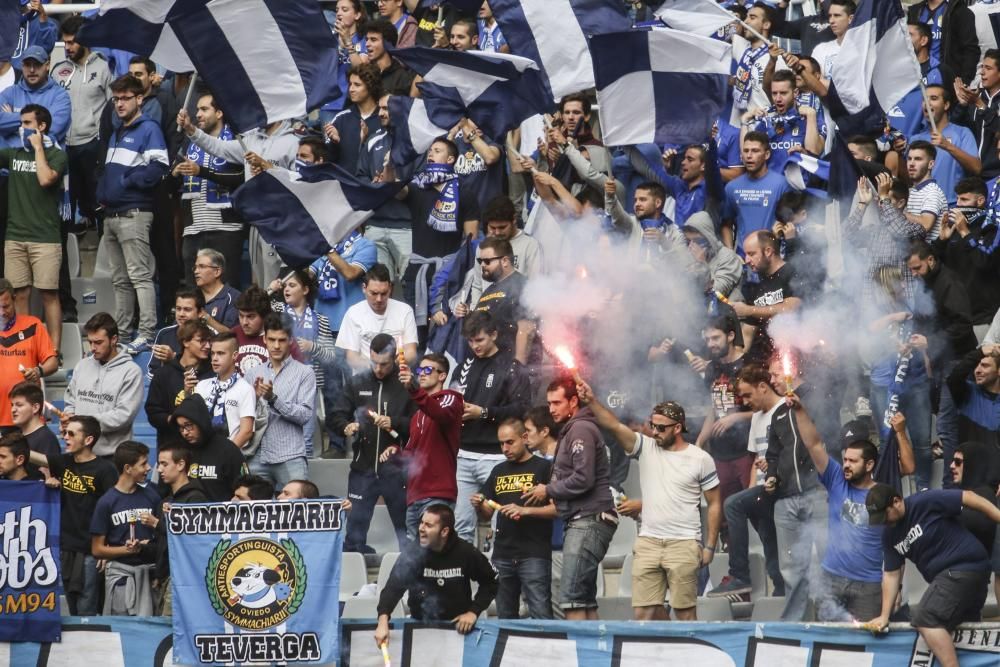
x: 111, y: 393
x: 166, y: 391
x: 724, y: 265
x: 388, y: 397
x: 432, y: 450
x: 192, y: 492
x: 280, y: 147
x: 50, y: 95
x: 89, y: 88
x: 979, y: 475
x: 218, y: 463
x: 135, y: 163
x: 978, y: 409
x: 439, y: 582
x: 579, y: 483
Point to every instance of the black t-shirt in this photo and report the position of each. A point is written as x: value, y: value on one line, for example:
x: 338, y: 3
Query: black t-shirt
x: 82, y: 485
x: 428, y: 242
x: 529, y: 537
x: 503, y: 302
x: 721, y: 380
x: 483, y: 179
x: 218, y: 463
x: 771, y: 290
x: 43, y: 441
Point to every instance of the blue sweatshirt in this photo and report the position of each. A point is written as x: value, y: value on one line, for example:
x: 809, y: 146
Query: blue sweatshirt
x: 135, y: 163
x: 50, y: 95
x: 31, y: 32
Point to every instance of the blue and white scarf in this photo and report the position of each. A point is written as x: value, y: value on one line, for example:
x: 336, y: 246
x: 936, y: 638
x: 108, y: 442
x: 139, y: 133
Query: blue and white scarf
x: 218, y: 405
x: 444, y: 214
x: 329, y: 277
x: 306, y: 326
x: 744, y: 75
x: 895, y: 390
x: 215, y: 195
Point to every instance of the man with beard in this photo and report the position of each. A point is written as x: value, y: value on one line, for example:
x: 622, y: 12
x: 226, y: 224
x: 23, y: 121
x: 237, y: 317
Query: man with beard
x: 673, y: 476
x: 502, y: 299
x: 789, y: 128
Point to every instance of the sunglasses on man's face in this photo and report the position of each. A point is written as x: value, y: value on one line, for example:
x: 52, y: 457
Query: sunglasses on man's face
x: 661, y: 428
x: 957, y: 462
x: 425, y: 370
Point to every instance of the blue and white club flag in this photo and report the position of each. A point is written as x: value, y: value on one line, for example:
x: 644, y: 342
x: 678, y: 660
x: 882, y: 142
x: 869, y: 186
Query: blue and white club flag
x: 987, y: 15
x: 264, y: 60
x: 798, y: 169
x: 553, y: 33
x: 702, y: 17
x: 499, y: 91
x: 416, y: 123
x: 138, y: 26
x: 10, y: 28
x: 662, y: 86
x: 304, y: 215
x: 876, y: 67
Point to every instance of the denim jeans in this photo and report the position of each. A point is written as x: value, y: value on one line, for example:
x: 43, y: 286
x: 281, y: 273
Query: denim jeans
x: 126, y: 239
x: 586, y: 544
x: 947, y: 423
x: 799, y: 522
x: 530, y: 577
x: 363, y: 490
x: 85, y: 603
x: 915, y: 404
x: 471, y: 474
x: 416, y: 510
x: 279, y: 474
x: 755, y: 505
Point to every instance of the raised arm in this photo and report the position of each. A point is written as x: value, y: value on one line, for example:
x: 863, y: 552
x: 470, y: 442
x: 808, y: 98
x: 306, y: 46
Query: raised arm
x: 623, y: 434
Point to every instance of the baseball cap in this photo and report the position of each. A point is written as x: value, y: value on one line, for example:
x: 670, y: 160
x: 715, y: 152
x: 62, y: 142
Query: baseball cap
x: 674, y: 411
x: 856, y: 430
x: 877, y: 501
x: 35, y: 53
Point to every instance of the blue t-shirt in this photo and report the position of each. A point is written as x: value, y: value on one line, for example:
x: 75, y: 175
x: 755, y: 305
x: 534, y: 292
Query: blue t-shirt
x: 361, y: 253
x: 729, y: 145
x: 934, y: 18
x: 112, y: 514
x: 947, y: 172
x: 931, y: 535
x: 854, y: 549
x: 752, y: 203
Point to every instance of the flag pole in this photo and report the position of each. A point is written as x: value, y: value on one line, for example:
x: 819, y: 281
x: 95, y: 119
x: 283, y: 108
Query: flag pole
x: 743, y: 23
x: 920, y: 77
x: 190, y: 89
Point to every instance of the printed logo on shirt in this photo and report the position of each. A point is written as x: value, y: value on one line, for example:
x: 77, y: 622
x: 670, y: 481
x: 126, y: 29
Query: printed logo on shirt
x: 576, y: 446
x: 520, y: 483
x: 126, y: 516
x: 752, y: 197
x: 73, y: 483
x: 770, y: 298
x: 470, y: 162
x: 854, y: 513
x: 915, y: 534
x: 202, y: 471
x: 441, y: 575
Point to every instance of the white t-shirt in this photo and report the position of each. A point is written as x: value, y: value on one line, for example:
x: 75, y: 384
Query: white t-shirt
x: 826, y: 55
x: 672, y: 483
x: 760, y: 423
x: 240, y: 401
x: 361, y: 325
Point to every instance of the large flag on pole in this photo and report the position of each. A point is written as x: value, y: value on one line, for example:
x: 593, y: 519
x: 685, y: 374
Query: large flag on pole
x: 553, y: 33
x: 987, y: 24
x: 876, y: 67
x: 304, y: 215
x: 264, y: 60
x: 702, y: 17
x: 416, y: 123
x: 138, y: 26
x: 499, y: 91
x: 660, y: 85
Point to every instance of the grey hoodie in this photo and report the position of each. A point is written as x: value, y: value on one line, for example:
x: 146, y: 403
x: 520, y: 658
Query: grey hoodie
x: 111, y: 393
x: 89, y: 88
x: 579, y: 483
x: 725, y: 266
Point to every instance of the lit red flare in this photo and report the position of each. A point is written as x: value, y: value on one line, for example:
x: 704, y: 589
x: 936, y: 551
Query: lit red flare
x: 565, y: 357
x: 786, y: 368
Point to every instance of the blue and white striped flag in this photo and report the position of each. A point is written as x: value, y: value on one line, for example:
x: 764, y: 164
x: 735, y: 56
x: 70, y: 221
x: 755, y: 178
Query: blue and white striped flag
x: 702, y: 17
x: 987, y: 15
x: 553, y: 33
x: 662, y: 85
x: 137, y: 26
x: 264, y: 60
x: 415, y: 124
x: 499, y: 91
x: 304, y: 215
x: 800, y: 166
x: 876, y: 67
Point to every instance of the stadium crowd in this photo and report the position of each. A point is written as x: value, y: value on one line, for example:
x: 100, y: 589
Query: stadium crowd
x: 495, y: 346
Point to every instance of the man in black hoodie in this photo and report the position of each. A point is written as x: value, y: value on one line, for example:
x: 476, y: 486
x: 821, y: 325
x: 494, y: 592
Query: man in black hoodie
x: 495, y: 386
x: 376, y: 409
x: 217, y: 463
x: 438, y: 573
x: 975, y: 467
x: 176, y: 379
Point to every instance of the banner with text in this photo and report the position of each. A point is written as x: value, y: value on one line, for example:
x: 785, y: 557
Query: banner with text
x: 29, y: 562
x: 253, y: 582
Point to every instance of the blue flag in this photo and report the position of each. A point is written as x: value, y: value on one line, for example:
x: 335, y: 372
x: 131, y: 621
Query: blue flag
x: 256, y: 582
x: 10, y: 24
x: 29, y: 562
x: 137, y: 26
x: 498, y: 91
x: 304, y: 215
x: 416, y: 123
x: 264, y: 60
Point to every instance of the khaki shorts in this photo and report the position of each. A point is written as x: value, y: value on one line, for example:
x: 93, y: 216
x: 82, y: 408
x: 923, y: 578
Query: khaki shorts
x: 662, y: 564
x: 32, y: 264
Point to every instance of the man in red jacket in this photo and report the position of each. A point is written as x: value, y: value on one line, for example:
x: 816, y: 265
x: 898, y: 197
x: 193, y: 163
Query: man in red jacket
x: 435, y: 432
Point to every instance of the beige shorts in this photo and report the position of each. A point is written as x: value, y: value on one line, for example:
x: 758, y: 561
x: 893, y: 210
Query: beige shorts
x: 29, y: 264
x: 662, y: 564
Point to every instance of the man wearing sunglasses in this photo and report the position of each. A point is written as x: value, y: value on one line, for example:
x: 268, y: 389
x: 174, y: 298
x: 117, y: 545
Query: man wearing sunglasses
x: 435, y: 432
x: 673, y: 476
x: 502, y: 299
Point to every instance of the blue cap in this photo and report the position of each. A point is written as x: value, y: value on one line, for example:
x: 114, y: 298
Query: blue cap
x: 36, y: 53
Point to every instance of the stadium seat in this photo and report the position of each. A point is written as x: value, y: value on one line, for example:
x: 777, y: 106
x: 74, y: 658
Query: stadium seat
x: 102, y: 263
x: 937, y: 473
x: 385, y: 568
x: 625, y: 579
x: 353, y: 574
x: 714, y: 609
x: 621, y: 543
x: 767, y: 609
x: 72, y: 352
x: 93, y: 295
x: 718, y: 568
x: 367, y: 608
x: 615, y: 608
x: 73, y: 255
x: 381, y: 533
x: 330, y: 475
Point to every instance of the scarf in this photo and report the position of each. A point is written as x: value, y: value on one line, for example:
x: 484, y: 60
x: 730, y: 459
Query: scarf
x: 215, y: 195
x: 305, y: 326
x: 328, y: 278
x: 993, y: 205
x: 218, y: 405
x: 744, y: 72
x: 777, y: 123
x: 895, y: 389
x: 444, y: 214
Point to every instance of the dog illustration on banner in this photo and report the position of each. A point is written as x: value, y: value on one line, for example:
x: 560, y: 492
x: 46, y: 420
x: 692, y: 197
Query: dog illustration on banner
x: 257, y: 583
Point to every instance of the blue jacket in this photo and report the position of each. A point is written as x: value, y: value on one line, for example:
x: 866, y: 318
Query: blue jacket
x: 50, y: 95
x: 136, y: 161
x: 33, y: 32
